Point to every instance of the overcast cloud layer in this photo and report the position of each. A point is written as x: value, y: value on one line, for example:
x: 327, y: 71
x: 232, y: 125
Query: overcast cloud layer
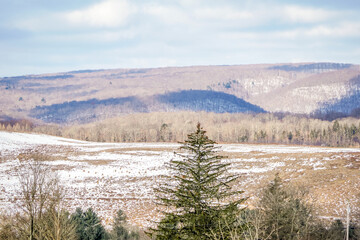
x: 40, y: 36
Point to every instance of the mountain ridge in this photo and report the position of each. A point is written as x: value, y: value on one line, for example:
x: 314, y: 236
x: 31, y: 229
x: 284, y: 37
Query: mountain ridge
x: 303, y: 88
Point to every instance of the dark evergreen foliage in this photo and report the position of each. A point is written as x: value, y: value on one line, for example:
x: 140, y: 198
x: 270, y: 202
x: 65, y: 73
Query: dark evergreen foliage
x: 197, y: 193
x: 286, y: 216
x: 312, y: 67
x: 119, y: 231
x: 336, y: 231
x: 88, y: 225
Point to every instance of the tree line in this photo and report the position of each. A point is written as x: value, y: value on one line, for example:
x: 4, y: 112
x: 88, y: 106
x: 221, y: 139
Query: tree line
x: 197, y: 202
x: 223, y: 128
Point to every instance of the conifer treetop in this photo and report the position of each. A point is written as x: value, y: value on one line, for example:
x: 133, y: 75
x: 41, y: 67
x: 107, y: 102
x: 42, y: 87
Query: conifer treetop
x: 197, y: 195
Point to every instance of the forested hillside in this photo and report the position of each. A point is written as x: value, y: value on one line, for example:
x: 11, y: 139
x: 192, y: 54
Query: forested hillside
x: 94, y: 109
x: 92, y: 95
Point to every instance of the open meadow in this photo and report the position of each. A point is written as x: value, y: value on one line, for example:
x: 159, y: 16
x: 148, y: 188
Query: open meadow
x: 113, y: 176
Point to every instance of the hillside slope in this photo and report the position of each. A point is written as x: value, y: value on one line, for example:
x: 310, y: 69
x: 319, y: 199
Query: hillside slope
x: 297, y: 88
x: 191, y: 100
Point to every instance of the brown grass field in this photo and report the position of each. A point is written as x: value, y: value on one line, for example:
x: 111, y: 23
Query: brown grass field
x: 109, y: 176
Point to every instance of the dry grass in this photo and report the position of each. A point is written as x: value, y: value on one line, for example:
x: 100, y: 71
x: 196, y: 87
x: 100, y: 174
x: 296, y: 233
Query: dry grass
x: 330, y: 178
x: 120, y: 150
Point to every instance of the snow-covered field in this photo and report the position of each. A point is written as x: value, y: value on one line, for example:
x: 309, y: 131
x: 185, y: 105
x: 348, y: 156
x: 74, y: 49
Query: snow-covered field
x: 112, y: 176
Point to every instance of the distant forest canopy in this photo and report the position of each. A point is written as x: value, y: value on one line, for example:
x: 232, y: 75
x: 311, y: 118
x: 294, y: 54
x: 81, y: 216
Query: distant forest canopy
x: 223, y: 128
x: 312, y: 67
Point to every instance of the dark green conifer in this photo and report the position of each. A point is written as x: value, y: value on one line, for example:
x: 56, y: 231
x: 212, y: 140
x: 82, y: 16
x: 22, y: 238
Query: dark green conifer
x: 286, y: 215
x: 88, y: 225
x: 197, y: 194
x: 119, y: 231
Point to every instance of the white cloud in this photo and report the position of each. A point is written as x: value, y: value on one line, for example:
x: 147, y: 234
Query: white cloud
x: 299, y: 36
x: 117, y: 13
x: 106, y: 14
x: 167, y: 14
x: 346, y: 29
x: 38, y: 23
x: 109, y: 13
x: 340, y: 30
x: 101, y: 36
x: 300, y: 14
x: 253, y: 15
x: 224, y: 13
x: 262, y: 14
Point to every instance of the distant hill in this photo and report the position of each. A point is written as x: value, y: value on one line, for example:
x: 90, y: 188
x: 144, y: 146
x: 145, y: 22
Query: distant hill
x: 85, y: 95
x: 190, y: 100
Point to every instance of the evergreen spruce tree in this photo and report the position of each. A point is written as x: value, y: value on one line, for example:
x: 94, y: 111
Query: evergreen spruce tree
x: 88, y: 225
x: 197, y: 195
x: 286, y: 215
x: 119, y: 231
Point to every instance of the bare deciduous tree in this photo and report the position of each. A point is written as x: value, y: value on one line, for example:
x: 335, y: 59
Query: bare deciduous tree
x: 41, y: 200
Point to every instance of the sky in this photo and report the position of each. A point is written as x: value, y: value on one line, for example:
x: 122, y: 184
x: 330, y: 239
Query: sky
x: 49, y: 36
